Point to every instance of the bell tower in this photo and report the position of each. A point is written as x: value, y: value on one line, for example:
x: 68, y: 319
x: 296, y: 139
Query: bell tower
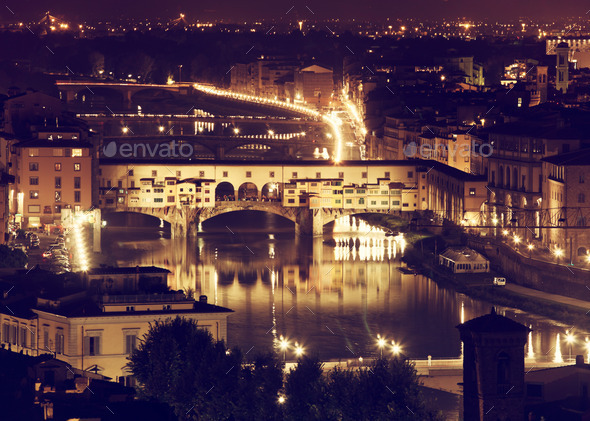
x: 493, y: 368
x: 562, y: 67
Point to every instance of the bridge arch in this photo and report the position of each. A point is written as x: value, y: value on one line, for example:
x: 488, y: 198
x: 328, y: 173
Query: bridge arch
x: 271, y: 192
x: 100, y: 96
x: 151, y: 94
x: 225, y: 191
x: 248, y: 191
x: 128, y: 217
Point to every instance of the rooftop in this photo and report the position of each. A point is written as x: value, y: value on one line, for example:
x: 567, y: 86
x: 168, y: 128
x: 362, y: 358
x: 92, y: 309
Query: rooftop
x: 491, y: 323
x: 579, y: 158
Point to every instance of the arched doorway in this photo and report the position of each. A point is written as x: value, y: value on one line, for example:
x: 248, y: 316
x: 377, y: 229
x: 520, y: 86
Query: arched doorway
x: 248, y: 191
x: 271, y: 192
x: 225, y: 192
x: 582, y: 252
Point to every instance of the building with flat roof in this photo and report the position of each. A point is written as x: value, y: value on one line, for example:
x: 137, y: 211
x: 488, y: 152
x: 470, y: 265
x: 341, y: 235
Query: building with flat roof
x: 314, y: 85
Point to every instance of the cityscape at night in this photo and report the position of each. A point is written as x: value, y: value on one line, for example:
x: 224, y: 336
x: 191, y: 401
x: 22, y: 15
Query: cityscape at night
x: 273, y: 211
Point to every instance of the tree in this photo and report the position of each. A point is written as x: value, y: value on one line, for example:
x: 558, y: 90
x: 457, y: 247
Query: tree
x: 12, y: 258
x: 180, y: 364
x: 305, y: 388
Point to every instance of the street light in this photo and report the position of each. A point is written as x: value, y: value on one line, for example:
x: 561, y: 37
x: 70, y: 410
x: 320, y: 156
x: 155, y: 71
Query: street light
x: 281, y: 399
x: 381, y: 343
x: 530, y: 246
x: 516, y: 239
x: 396, y: 348
x: 161, y: 129
x: 298, y: 350
x: 570, y: 339
x: 125, y: 130
x: 505, y: 232
x: 284, y: 345
x: 236, y: 130
x: 271, y: 133
x: 558, y: 253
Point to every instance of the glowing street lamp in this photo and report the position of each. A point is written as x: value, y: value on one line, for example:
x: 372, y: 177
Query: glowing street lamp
x: 271, y: 133
x: 284, y: 345
x: 161, y: 129
x: 570, y: 339
x: 236, y: 130
x: 281, y: 399
x: 558, y: 253
x: 530, y: 247
x: 298, y: 350
x: 505, y: 232
x: 495, y: 221
x: 396, y: 348
x: 125, y: 130
x: 381, y: 343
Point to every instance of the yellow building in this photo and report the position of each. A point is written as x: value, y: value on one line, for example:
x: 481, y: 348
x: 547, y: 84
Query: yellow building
x: 53, y: 172
x: 98, y: 333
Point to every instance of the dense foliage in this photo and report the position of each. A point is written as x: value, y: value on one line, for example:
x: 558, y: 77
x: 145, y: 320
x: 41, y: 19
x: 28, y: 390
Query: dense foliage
x: 12, y: 258
x: 181, y: 365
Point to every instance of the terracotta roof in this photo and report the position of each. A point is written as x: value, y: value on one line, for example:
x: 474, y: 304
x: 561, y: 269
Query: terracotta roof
x: 493, y: 322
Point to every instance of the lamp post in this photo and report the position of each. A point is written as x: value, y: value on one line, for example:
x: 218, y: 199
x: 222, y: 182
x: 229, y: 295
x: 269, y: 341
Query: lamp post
x: 530, y: 247
x: 381, y: 344
x: 298, y: 350
x: 395, y: 348
x: 284, y: 344
x: 570, y: 339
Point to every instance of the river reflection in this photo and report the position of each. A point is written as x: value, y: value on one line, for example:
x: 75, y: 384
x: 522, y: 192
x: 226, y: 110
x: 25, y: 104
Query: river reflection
x: 334, y: 296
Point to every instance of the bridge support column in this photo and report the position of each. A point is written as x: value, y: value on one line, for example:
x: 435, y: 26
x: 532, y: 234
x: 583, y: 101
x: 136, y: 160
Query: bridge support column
x: 127, y: 99
x: 310, y: 222
x: 219, y: 152
x: 178, y: 226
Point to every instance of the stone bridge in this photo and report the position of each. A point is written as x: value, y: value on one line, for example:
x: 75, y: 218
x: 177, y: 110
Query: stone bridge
x: 184, y: 221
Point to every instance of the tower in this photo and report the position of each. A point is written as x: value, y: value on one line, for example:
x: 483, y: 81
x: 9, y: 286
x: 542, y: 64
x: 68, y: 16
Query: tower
x: 542, y: 83
x: 562, y: 67
x: 493, y: 368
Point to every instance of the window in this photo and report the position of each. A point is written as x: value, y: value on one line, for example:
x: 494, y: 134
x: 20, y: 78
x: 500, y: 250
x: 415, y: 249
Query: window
x: 472, y: 191
x: 158, y: 200
x: 130, y: 342
x: 387, y: 174
x: 56, y: 209
x: 410, y: 174
x: 34, y: 181
x: 77, y: 166
x: 581, y: 178
x: 361, y: 201
x: 76, y: 182
x: 130, y: 173
x: 33, y: 338
x: 33, y: 194
x: 364, y: 174
x: 58, y: 196
x: 201, y: 173
x: 58, y: 152
x: 33, y: 152
x: 92, y: 345
x: 349, y: 201
x: 225, y: 174
x: 57, y: 166
x: 33, y: 166
x: 77, y: 196
x: 248, y: 174
x: 170, y: 199
x: 46, y: 340
x: 291, y: 201
x: 340, y: 175
x: 35, y: 209
x: 120, y: 184
x: 294, y: 175
x: 76, y: 152
x: 59, y: 342
x: 154, y: 173
x: 23, y: 337
x: 318, y: 175
x: 58, y: 182
x: 581, y: 198
x: 271, y: 174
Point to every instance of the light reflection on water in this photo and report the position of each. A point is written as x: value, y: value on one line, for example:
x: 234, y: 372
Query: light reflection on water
x: 332, y: 297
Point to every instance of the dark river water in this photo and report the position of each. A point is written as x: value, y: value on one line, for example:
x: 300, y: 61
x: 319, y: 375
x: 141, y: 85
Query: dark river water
x: 332, y: 299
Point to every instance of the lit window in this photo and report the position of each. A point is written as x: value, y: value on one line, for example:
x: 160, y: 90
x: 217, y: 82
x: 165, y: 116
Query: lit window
x: 76, y: 152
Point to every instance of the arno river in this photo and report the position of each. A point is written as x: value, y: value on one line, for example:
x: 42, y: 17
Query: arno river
x: 334, y: 299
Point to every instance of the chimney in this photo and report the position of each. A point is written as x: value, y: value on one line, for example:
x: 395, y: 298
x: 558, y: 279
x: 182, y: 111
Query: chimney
x: 579, y: 360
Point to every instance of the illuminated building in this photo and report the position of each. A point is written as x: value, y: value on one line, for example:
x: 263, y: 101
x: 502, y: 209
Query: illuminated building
x: 315, y: 85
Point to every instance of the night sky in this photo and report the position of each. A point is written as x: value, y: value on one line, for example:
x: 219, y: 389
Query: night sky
x: 277, y: 9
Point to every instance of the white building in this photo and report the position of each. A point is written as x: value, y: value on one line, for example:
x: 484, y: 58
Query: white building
x: 463, y: 260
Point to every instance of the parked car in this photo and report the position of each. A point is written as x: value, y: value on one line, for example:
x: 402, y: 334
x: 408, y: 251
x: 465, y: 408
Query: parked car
x: 500, y: 281
x: 47, y: 253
